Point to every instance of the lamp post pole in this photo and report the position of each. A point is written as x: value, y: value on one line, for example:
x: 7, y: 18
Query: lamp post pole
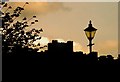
x: 90, y: 45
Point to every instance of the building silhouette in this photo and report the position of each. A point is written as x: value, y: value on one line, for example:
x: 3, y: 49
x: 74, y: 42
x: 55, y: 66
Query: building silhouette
x: 25, y: 62
x: 56, y: 47
x: 60, y: 52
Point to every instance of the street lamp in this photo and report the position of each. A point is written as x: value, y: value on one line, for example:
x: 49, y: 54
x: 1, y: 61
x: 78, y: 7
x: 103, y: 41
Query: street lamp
x: 90, y: 33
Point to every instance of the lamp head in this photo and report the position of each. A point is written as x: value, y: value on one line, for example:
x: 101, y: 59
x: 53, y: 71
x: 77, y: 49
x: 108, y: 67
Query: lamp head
x: 90, y: 31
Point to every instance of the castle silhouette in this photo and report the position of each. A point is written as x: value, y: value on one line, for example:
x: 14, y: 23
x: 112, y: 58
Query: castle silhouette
x: 58, y: 54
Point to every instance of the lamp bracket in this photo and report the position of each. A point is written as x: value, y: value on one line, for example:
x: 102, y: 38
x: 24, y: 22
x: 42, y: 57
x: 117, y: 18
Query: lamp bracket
x: 91, y: 44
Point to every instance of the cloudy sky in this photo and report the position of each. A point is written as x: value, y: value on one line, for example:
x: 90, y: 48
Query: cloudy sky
x: 67, y: 20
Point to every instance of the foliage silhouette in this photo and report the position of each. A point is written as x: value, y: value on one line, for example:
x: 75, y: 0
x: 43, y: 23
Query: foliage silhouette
x: 14, y: 33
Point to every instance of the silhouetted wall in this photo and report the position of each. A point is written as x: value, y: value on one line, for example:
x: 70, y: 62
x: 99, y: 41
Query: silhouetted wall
x: 56, y: 47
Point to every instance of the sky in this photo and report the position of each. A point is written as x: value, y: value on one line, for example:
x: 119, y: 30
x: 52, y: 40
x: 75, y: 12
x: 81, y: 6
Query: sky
x: 64, y: 21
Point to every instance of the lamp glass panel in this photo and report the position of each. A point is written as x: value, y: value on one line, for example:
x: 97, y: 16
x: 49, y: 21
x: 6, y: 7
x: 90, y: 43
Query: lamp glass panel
x: 87, y: 34
x: 90, y: 34
x: 93, y: 34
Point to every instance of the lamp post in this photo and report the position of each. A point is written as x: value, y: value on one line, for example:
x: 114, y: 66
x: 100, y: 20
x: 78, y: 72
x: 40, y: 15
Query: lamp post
x: 90, y: 33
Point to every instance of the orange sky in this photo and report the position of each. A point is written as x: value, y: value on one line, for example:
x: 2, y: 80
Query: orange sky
x: 67, y: 21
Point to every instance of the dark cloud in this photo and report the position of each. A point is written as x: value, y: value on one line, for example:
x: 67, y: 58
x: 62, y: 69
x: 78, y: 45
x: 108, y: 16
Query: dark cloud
x: 41, y: 8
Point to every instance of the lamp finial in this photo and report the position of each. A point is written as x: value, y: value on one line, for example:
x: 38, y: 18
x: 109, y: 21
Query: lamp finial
x: 90, y: 22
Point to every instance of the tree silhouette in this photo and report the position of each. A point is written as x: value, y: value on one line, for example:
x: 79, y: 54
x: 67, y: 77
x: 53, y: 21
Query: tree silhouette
x: 13, y: 31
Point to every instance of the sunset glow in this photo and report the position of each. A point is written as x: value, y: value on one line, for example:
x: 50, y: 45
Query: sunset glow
x: 66, y: 21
